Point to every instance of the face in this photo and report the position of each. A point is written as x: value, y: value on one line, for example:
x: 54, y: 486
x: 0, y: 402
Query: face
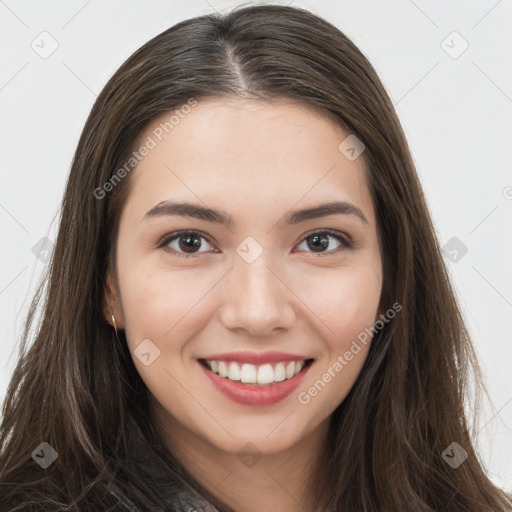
x: 274, y: 297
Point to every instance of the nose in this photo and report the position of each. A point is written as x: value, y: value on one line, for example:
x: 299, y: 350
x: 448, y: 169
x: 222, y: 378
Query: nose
x: 257, y: 299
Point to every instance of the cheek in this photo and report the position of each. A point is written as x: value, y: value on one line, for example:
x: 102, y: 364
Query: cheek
x: 347, y: 305
x: 345, y: 301
x: 162, y: 305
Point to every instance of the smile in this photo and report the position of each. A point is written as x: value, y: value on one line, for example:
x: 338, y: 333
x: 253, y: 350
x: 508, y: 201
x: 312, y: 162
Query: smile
x: 263, y: 375
x: 252, y: 384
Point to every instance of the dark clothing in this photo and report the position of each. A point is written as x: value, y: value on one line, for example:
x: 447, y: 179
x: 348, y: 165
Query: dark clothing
x: 177, y: 499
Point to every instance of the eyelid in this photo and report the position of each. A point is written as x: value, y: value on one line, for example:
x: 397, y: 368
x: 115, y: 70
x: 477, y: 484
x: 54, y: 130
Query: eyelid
x: 345, y: 237
x: 346, y: 241
x: 166, y: 239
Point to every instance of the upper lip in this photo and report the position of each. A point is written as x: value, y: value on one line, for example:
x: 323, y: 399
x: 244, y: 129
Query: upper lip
x: 256, y: 358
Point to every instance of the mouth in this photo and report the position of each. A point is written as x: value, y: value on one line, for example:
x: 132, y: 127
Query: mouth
x: 267, y: 374
x: 259, y: 385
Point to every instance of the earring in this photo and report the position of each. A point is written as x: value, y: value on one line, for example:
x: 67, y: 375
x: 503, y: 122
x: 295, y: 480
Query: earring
x: 113, y: 317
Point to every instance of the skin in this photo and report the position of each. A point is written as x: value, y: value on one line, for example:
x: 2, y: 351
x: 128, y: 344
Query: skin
x: 256, y: 161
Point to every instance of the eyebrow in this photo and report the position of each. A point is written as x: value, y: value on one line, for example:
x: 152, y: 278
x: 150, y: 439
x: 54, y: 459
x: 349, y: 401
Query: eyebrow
x: 167, y: 208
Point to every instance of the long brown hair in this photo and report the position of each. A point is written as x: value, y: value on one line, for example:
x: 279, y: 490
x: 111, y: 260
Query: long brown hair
x: 76, y: 387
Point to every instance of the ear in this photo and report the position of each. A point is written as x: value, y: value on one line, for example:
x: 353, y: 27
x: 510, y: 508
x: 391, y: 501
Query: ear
x: 112, y: 303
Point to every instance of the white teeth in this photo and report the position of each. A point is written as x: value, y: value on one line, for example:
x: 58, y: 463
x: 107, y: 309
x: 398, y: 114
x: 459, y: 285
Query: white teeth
x: 253, y: 374
x: 223, y: 369
x: 265, y: 374
x: 279, y: 372
x: 248, y: 373
x: 234, y: 371
x: 298, y: 366
x: 290, y: 370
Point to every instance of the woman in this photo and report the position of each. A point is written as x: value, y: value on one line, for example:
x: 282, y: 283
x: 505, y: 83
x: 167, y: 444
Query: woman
x: 247, y: 307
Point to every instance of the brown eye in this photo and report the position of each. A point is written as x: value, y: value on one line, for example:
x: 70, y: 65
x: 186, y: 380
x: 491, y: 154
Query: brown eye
x: 184, y: 244
x: 325, y: 242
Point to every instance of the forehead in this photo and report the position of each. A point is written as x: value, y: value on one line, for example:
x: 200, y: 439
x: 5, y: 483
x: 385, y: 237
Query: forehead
x: 248, y: 153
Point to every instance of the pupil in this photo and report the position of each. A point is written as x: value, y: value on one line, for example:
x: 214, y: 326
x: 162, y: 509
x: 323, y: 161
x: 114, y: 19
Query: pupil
x: 321, y: 241
x: 191, y: 242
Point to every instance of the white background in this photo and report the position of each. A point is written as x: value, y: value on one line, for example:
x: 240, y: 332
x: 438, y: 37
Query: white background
x: 456, y: 113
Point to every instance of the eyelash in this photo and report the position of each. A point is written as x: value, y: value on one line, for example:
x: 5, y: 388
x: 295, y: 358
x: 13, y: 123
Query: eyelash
x: 345, y: 243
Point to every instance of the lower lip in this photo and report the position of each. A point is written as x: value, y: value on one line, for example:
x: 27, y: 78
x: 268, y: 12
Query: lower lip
x: 249, y: 394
